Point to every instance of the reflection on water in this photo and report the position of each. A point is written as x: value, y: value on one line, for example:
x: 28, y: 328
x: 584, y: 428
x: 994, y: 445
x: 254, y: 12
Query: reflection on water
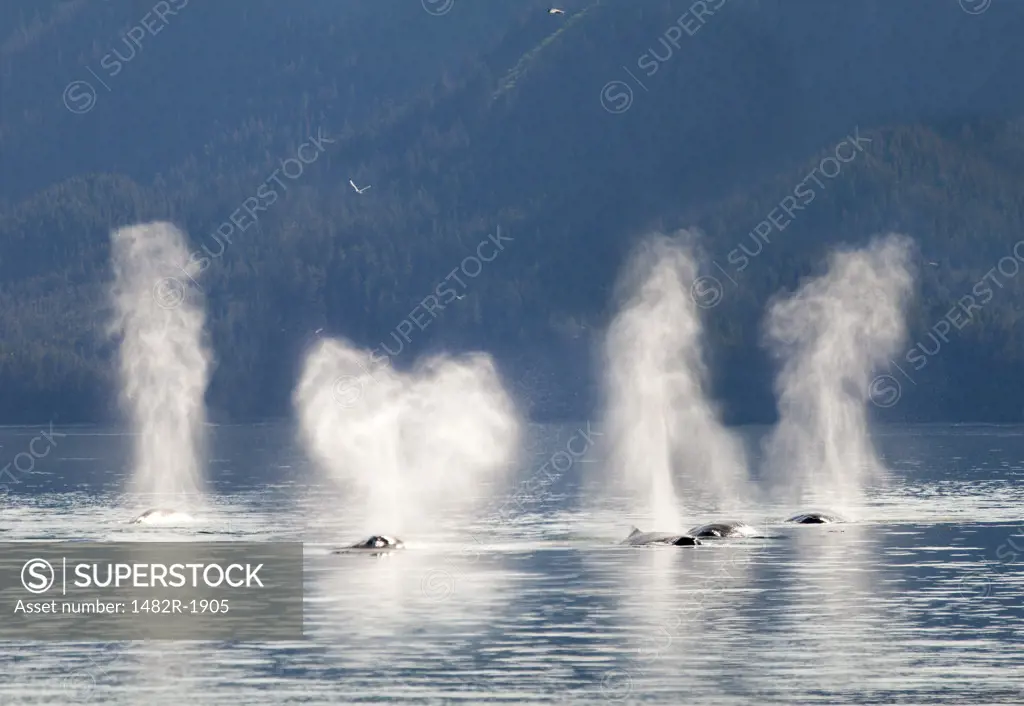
x: 916, y: 603
x: 678, y: 610
x: 830, y: 625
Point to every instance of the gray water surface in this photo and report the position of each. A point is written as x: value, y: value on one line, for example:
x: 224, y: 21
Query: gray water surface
x: 917, y: 602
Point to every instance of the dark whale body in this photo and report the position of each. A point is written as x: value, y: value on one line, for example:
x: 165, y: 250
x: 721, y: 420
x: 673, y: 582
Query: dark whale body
x: 720, y: 530
x: 160, y: 514
x: 814, y: 518
x: 378, y: 543
x: 637, y: 538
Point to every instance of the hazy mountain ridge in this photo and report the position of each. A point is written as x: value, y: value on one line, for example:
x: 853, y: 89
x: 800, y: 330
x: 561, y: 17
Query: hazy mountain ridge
x: 709, y: 142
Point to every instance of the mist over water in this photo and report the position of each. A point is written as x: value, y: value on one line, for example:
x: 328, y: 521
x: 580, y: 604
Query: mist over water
x: 409, y: 447
x: 832, y: 334
x: 667, y: 445
x: 163, y: 359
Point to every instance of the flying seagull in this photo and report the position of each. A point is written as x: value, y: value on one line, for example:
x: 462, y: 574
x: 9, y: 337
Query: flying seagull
x: 358, y: 190
x: 556, y: 11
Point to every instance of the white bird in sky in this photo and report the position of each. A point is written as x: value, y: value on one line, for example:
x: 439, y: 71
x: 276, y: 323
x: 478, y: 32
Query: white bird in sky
x: 318, y: 330
x: 556, y: 11
x: 358, y: 190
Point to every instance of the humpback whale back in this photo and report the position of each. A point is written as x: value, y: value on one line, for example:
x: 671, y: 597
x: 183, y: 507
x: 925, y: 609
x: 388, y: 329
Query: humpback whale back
x: 380, y: 541
x: 685, y: 541
x: 159, y: 515
x: 718, y: 530
x: 637, y: 538
x: 814, y: 518
x: 376, y: 543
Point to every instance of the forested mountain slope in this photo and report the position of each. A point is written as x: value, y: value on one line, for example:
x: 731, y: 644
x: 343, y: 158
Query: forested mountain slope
x: 501, y: 115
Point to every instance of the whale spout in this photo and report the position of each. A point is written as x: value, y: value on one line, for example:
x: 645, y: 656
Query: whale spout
x: 814, y: 518
x: 637, y: 538
x: 720, y: 530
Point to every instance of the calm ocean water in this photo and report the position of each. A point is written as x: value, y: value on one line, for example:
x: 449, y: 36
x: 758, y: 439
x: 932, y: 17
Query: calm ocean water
x: 918, y: 602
